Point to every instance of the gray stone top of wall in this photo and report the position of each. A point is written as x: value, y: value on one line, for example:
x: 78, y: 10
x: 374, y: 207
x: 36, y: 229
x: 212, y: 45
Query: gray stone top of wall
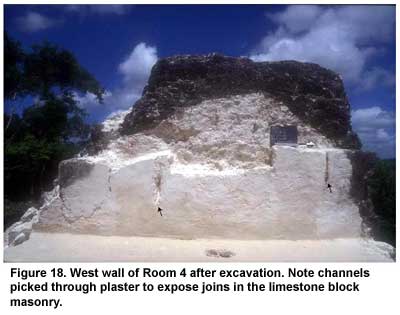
x: 314, y: 94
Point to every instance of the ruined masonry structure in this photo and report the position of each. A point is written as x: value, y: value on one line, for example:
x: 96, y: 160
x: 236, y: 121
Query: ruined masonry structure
x: 197, y: 145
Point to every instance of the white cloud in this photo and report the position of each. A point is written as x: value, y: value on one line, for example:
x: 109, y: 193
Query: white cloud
x: 382, y: 135
x: 135, y: 70
x: 376, y: 76
x: 118, y: 9
x: 375, y: 127
x: 73, y: 7
x: 89, y: 100
x: 139, y: 63
x: 297, y: 18
x: 100, y: 9
x: 33, y: 22
x: 342, y: 38
x: 372, y: 117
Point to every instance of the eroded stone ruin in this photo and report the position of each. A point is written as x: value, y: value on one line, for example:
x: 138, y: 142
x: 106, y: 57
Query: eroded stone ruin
x: 197, y: 145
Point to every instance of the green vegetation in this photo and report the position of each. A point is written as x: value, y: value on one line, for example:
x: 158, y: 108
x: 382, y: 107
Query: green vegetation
x: 382, y: 191
x: 373, y: 188
x: 51, y: 129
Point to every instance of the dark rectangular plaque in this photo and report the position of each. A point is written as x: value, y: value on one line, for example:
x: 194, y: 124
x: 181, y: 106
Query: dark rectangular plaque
x: 283, y: 134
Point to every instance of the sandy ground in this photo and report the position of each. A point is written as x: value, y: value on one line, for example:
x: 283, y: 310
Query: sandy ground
x: 46, y: 247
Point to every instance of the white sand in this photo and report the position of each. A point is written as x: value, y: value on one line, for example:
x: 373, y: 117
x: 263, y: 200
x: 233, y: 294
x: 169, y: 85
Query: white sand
x: 47, y: 247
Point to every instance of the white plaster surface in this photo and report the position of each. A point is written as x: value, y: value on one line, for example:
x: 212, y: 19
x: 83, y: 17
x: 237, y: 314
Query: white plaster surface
x: 285, y: 200
x: 212, y: 171
x: 56, y: 247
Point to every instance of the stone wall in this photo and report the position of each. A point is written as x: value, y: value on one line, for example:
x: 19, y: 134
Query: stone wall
x: 285, y: 200
x: 197, y: 145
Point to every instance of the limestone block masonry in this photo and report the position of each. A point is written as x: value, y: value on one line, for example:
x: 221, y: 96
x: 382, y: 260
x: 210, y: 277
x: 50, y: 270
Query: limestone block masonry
x: 197, y: 145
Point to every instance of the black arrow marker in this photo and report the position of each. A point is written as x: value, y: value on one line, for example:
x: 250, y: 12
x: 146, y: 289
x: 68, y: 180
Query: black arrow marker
x: 160, y: 211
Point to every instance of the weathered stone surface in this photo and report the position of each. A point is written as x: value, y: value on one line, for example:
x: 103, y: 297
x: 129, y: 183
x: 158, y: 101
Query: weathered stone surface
x: 22, y: 237
x: 226, y: 132
x: 21, y: 230
x: 314, y: 94
x: 29, y: 215
x: 135, y: 193
x: 52, y: 218
x: 88, y: 193
x: 71, y: 170
x: 83, y: 206
x: 16, y: 230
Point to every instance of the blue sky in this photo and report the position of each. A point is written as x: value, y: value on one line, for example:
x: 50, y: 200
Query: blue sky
x: 119, y: 45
